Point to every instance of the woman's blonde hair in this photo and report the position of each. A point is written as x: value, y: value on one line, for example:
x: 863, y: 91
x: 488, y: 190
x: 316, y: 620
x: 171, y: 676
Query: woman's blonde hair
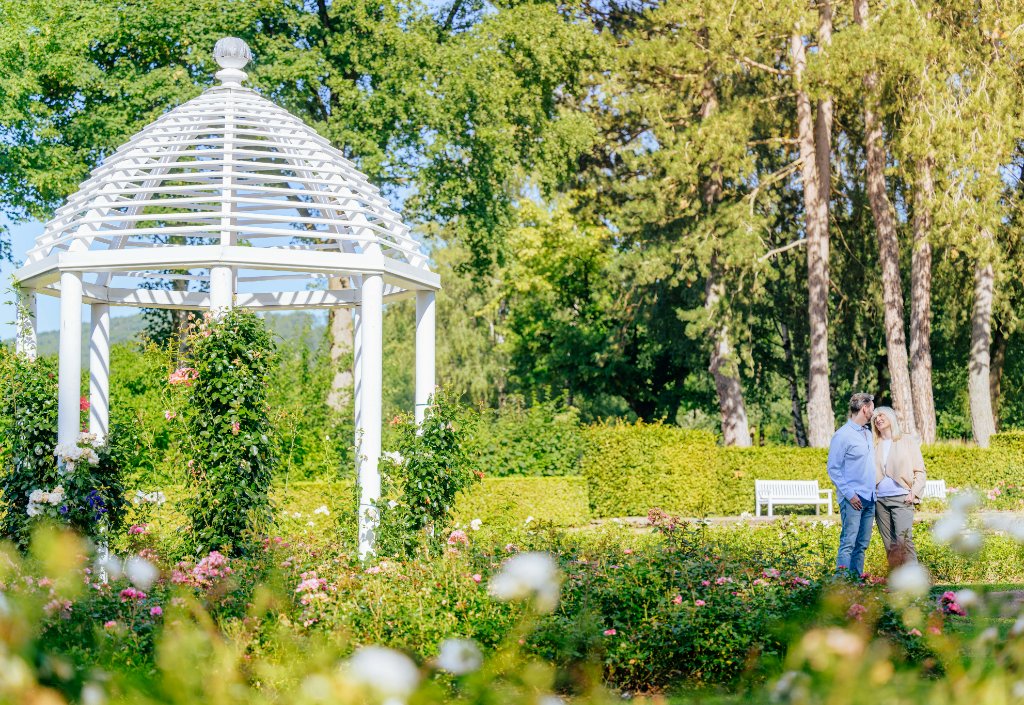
x: 894, y: 422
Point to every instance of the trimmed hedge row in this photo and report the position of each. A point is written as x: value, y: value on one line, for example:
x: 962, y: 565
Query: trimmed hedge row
x: 633, y: 467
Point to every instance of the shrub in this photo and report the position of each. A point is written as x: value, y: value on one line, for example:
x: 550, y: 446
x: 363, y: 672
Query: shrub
x: 422, y: 477
x: 227, y: 431
x: 631, y: 467
x: 84, y: 492
x: 510, y: 501
x: 544, y: 438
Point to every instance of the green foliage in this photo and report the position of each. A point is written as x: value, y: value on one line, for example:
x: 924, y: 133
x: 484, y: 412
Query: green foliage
x: 85, y: 492
x: 633, y: 467
x: 430, y: 464
x: 543, y: 438
x: 227, y: 431
x: 511, y: 501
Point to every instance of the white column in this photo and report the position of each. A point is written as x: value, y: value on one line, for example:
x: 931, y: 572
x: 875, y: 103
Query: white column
x: 357, y: 373
x: 69, y: 371
x: 25, y: 333
x: 426, y: 323
x: 99, y: 369
x: 371, y: 390
x: 222, y: 289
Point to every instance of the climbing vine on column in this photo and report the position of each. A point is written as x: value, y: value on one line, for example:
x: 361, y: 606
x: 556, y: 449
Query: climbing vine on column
x: 227, y: 431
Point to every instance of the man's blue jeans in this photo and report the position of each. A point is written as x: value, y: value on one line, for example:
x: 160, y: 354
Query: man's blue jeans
x: 855, y: 536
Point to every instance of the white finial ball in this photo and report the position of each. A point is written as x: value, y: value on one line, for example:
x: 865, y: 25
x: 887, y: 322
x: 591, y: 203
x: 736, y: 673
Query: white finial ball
x: 232, y: 53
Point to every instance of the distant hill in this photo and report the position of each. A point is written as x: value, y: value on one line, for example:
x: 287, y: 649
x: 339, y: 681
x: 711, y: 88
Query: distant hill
x: 125, y: 329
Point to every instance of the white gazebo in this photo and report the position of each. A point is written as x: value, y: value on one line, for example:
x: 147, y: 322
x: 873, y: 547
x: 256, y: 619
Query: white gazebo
x: 229, y: 200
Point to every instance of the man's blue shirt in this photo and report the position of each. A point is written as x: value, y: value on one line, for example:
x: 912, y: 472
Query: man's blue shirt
x: 851, y: 461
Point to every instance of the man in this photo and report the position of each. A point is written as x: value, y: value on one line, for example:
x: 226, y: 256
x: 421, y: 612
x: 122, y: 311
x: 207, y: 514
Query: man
x: 851, y: 465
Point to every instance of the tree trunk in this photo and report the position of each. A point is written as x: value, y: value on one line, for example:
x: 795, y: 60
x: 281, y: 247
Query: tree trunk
x: 820, y: 416
x: 921, y: 304
x: 339, y: 327
x: 888, y: 246
x: 735, y: 429
x: 978, y: 371
x: 794, y: 390
x: 723, y: 367
x: 996, y: 367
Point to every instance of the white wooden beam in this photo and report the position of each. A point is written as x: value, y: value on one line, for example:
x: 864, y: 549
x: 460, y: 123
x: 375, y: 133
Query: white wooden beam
x: 69, y: 370
x: 425, y: 354
x: 99, y: 369
x: 371, y: 391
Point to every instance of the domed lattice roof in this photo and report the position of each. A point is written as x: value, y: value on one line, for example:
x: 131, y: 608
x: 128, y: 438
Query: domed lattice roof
x: 230, y: 179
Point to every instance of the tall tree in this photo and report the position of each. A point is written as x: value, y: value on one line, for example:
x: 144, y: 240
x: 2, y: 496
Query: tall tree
x: 921, y: 302
x: 814, y: 135
x: 888, y: 241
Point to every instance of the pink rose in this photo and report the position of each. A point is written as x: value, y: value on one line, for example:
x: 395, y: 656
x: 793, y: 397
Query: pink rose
x: 610, y: 632
x: 110, y: 624
x: 477, y: 577
x: 156, y: 611
x: 677, y: 600
x: 169, y: 414
x: 458, y: 537
x: 699, y: 603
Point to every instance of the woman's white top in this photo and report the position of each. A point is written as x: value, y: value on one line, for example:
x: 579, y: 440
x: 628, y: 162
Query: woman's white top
x: 888, y: 487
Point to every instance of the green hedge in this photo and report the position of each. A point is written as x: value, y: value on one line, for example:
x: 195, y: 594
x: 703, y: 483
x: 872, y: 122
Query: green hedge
x: 559, y: 500
x: 633, y: 467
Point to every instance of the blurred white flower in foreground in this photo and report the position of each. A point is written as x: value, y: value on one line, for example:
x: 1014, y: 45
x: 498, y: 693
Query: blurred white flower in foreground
x: 476, y: 524
x: 141, y: 572
x: 459, y: 656
x: 389, y: 675
x: 528, y: 576
x: 910, y: 580
x: 112, y: 566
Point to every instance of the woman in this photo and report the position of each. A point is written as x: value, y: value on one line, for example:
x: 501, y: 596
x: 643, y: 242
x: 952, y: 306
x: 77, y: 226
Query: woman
x: 900, y: 480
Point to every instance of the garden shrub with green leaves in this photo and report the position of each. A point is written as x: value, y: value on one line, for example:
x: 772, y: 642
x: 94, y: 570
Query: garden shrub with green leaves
x: 226, y: 430
x: 544, y: 438
x: 428, y: 466
x: 630, y: 467
x: 78, y: 485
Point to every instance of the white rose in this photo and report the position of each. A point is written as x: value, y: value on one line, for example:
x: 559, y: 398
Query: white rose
x: 475, y: 524
x: 388, y: 674
x: 33, y: 509
x: 459, y: 656
x: 531, y: 575
x: 910, y: 579
x: 141, y: 572
x: 35, y: 496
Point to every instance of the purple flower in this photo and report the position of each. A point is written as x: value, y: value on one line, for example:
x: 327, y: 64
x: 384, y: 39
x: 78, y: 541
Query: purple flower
x: 63, y: 509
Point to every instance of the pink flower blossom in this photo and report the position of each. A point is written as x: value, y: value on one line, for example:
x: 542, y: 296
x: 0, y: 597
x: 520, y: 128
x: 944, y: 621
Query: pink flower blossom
x: 677, y: 600
x: 156, y: 611
x: 914, y: 632
x: 856, y: 611
x: 44, y: 582
x: 610, y: 632
x: 628, y: 551
x: 235, y: 428
x: 136, y: 529
x: 169, y: 414
x: 132, y: 594
x: 183, y: 376
x: 699, y: 603
x: 110, y: 624
x: 373, y: 569
x: 722, y: 580
x: 458, y: 537
x: 477, y: 577
x: 705, y: 583
x: 935, y: 630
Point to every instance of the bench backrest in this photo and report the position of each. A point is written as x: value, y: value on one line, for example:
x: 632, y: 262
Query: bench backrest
x: 787, y: 488
x: 935, y: 489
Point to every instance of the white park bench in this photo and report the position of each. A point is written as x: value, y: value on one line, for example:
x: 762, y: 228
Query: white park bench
x: 773, y: 492
x: 934, y: 489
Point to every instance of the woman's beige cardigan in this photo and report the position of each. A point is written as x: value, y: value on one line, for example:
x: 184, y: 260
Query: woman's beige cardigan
x: 905, y: 465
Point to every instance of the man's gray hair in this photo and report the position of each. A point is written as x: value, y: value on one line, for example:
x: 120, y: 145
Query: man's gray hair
x: 859, y: 400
